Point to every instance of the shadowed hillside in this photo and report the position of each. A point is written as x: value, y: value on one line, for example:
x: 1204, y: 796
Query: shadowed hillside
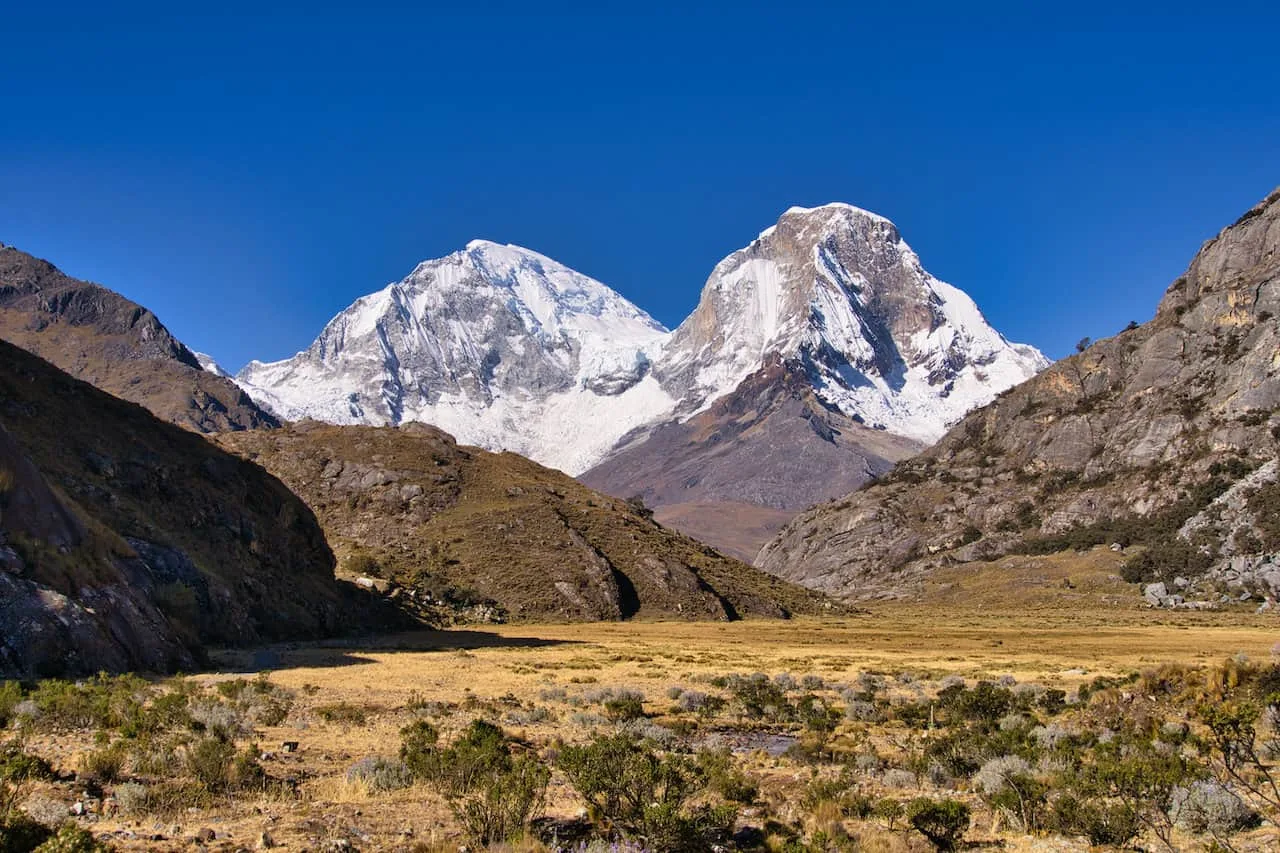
x: 128, y: 543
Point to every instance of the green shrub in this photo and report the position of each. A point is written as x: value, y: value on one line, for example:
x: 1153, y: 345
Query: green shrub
x: 629, y: 785
x: 491, y: 793
x: 1103, y: 822
x: 10, y: 696
x: 723, y: 776
x: 943, y: 822
x: 262, y: 703
x: 623, y: 708
x: 758, y: 697
x: 19, y: 833
x: 102, y: 702
x: 104, y: 766
x: 342, y: 712
x: 19, y: 766
x: 418, y: 749
x: 209, y: 762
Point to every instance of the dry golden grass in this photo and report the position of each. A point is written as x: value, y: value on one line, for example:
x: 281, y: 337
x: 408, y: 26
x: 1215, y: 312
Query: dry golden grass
x: 400, y: 676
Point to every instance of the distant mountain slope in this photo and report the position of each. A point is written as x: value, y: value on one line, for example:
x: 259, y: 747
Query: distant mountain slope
x: 105, y: 339
x: 128, y: 543
x: 409, y: 503
x: 1129, y: 441
x: 734, y: 473
x: 818, y: 356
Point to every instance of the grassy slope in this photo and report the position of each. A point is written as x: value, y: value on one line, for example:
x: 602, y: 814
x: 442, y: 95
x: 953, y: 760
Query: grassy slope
x: 419, y: 505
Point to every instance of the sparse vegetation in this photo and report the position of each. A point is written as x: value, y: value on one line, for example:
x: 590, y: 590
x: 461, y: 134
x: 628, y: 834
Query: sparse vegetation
x: 816, y: 749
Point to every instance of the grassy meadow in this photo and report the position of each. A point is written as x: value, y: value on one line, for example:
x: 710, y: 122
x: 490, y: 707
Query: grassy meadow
x: 770, y: 735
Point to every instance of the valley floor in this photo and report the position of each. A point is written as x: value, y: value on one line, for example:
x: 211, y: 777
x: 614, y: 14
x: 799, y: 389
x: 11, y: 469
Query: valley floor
x: 543, y: 684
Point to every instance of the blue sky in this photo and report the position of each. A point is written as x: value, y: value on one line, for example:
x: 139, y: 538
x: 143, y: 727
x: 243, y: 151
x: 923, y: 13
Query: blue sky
x: 249, y: 170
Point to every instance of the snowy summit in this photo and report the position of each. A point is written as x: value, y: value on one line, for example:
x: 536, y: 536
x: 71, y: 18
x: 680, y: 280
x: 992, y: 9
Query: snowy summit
x: 510, y: 350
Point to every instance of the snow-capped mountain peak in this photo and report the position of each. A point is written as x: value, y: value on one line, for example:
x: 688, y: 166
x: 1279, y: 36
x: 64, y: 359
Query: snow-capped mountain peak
x: 487, y: 343
x: 837, y: 288
x: 512, y: 350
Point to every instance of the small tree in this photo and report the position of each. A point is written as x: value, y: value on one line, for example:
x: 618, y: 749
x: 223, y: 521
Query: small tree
x: 491, y: 792
x: 943, y: 822
x: 629, y: 785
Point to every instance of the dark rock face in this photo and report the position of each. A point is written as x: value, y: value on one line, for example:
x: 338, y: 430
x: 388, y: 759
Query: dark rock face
x: 99, y: 336
x: 771, y: 443
x: 1159, y: 416
x: 128, y: 543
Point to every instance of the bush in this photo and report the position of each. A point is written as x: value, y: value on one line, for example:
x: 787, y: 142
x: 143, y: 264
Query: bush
x: 103, y: 766
x: 943, y: 822
x: 623, y: 708
x: 1210, y: 806
x: 418, y: 748
x: 103, y: 702
x: 1102, y: 821
x: 342, y: 712
x: 19, y: 833
x: 209, y: 761
x: 491, y: 793
x: 10, y: 696
x: 1008, y: 785
x: 19, y: 766
x: 724, y: 776
x: 132, y: 798
x: 258, y: 701
x: 629, y: 785
x: 758, y: 697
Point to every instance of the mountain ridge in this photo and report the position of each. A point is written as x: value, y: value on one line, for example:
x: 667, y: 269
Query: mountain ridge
x: 100, y: 336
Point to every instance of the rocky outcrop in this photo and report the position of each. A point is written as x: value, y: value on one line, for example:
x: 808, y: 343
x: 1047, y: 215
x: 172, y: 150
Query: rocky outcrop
x: 1129, y: 438
x: 128, y: 543
x: 99, y: 336
x: 458, y: 525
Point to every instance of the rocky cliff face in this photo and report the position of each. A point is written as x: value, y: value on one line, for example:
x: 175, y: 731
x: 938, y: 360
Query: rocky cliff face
x: 113, y: 343
x: 127, y: 543
x: 1124, y: 441
x: 462, y: 525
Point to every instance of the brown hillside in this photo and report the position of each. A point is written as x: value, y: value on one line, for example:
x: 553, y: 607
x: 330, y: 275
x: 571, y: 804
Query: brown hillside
x: 127, y: 543
x: 409, y: 503
x: 117, y: 345
x: 1164, y: 436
